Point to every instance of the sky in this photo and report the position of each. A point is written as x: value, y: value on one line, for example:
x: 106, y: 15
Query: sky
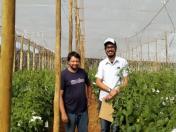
x: 129, y: 22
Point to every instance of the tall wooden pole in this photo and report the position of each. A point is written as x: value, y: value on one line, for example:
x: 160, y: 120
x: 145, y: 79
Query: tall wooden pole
x: 39, y: 58
x: 132, y: 54
x: 57, y: 67
x: 82, y: 53
x: 141, y: 51
x: 78, y: 33
x: 33, y: 60
x: 21, y: 52
x: 70, y: 25
x: 14, y: 57
x: 148, y: 51
x: 128, y: 50
x: 6, y: 65
x: 166, y: 46
x: 156, y: 52
x: 77, y: 26
x: 43, y: 58
x: 47, y: 59
x: 28, y: 55
x: 82, y: 35
x: 53, y: 58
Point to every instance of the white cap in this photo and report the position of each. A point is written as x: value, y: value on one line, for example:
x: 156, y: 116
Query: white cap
x: 111, y: 40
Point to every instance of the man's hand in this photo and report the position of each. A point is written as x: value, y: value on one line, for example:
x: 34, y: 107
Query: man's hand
x: 108, y: 97
x: 112, y: 94
x: 64, y: 118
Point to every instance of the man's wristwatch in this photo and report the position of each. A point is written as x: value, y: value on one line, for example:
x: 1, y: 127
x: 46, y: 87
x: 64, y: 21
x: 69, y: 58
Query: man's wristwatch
x: 109, y: 90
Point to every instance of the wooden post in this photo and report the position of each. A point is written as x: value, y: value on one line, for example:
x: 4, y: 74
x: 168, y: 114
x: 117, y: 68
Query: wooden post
x: 43, y: 58
x: 141, y: 52
x: 53, y: 58
x: 70, y: 25
x: 50, y: 60
x: 21, y: 52
x: 137, y: 52
x: 33, y: 56
x: 57, y: 68
x: 6, y: 65
x: 47, y: 62
x: 14, y: 57
x: 39, y: 57
x: 79, y: 36
x: 28, y: 55
x: 132, y: 54
x: 166, y: 46
x: 77, y: 26
x: 156, y: 52
x: 128, y: 51
x: 82, y: 54
x: 148, y: 52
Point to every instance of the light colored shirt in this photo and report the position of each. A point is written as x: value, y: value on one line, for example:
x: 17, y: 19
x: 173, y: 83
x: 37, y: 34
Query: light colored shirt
x: 109, y: 73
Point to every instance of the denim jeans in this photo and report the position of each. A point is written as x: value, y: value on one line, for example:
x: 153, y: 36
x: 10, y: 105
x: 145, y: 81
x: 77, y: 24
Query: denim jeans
x: 107, y: 126
x: 77, y: 120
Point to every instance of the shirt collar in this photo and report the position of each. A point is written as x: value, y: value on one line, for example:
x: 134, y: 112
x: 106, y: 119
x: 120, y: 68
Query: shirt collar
x: 115, y: 60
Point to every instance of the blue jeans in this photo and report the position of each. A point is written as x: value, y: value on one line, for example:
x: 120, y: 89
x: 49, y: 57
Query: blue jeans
x: 106, y: 126
x: 77, y: 120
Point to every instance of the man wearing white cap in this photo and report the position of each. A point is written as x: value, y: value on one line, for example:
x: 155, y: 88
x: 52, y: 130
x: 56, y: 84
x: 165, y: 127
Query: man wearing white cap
x: 108, y: 79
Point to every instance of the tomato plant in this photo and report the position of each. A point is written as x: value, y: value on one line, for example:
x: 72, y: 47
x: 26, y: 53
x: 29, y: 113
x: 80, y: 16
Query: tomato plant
x: 148, y: 103
x: 32, y: 100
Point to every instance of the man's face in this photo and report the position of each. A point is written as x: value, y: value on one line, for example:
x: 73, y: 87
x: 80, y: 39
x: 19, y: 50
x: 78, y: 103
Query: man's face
x: 110, y: 50
x: 74, y: 63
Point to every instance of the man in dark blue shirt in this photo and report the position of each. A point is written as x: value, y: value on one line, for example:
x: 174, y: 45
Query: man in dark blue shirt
x: 74, y: 95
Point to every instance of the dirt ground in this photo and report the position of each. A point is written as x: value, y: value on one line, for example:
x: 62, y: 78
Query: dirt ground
x: 93, y: 117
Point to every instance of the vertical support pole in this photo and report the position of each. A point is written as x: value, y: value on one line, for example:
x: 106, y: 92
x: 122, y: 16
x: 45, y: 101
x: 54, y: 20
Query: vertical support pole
x: 141, y: 52
x: 14, y: 57
x: 53, y: 58
x: 28, y: 55
x: 43, y: 58
x: 56, y: 122
x: 47, y: 62
x: 70, y: 25
x: 82, y: 54
x: 33, y: 60
x: 39, y: 59
x: 166, y: 46
x: 132, y: 54
x: 148, y: 51
x: 77, y: 26
x: 156, y: 52
x: 6, y: 64
x: 50, y: 61
x: 21, y: 52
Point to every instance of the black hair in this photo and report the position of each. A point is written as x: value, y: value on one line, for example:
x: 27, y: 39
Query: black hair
x: 73, y: 53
